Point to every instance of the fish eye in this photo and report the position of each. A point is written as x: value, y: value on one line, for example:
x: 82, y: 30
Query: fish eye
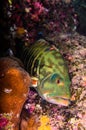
x: 57, y: 81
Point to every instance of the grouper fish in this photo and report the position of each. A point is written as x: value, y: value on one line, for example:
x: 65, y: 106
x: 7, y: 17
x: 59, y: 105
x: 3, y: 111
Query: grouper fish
x: 48, y: 71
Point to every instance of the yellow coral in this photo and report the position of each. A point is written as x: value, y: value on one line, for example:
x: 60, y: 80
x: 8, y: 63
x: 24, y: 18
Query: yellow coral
x: 44, y: 123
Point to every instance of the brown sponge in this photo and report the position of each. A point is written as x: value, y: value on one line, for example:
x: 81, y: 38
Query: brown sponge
x: 14, y: 88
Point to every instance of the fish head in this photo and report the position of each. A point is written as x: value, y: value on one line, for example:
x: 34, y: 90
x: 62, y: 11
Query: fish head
x: 55, y: 89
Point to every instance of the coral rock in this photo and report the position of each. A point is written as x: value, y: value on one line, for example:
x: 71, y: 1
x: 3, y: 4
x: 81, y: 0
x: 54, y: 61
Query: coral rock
x: 14, y: 87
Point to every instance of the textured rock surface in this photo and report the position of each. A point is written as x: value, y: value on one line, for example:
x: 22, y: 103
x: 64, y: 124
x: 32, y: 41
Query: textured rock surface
x: 14, y: 87
x: 59, y: 117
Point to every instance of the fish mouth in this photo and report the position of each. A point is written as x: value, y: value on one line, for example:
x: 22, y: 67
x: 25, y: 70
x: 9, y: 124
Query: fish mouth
x: 64, y: 101
x: 60, y: 101
x: 63, y: 98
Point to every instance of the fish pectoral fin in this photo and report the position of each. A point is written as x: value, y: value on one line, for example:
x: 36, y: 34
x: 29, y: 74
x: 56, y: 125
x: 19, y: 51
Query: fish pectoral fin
x: 34, y: 82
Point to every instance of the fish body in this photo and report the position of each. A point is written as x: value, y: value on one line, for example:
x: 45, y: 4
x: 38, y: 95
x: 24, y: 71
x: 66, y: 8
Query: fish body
x: 49, y: 72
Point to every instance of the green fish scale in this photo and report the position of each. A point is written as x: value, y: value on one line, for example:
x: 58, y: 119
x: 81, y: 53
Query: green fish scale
x: 32, y: 56
x: 51, y: 63
x: 47, y: 64
x: 43, y: 61
x: 28, y: 56
x: 33, y: 52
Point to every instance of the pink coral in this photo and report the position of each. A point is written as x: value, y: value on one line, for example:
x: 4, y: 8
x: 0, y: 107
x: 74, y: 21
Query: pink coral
x: 38, y: 10
x: 38, y: 7
x: 3, y: 122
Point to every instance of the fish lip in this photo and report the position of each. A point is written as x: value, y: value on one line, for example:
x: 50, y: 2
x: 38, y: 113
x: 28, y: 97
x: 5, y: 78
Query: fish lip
x: 63, y: 98
x: 68, y: 102
x: 59, y: 97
